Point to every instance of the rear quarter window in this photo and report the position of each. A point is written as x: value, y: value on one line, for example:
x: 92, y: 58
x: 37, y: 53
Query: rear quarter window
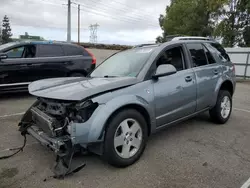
x: 71, y: 50
x: 222, y: 51
x: 218, y: 53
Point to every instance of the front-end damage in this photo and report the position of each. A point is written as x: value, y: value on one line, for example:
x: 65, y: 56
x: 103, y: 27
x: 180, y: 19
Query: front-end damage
x: 51, y: 122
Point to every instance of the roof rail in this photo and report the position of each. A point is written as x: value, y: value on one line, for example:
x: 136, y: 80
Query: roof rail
x: 192, y: 38
x: 141, y: 45
x: 171, y: 37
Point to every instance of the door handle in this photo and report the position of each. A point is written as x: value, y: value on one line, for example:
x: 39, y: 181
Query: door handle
x: 216, y: 72
x: 188, y: 79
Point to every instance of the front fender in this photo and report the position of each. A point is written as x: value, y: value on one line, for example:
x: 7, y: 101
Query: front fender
x: 109, y: 108
x: 106, y: 110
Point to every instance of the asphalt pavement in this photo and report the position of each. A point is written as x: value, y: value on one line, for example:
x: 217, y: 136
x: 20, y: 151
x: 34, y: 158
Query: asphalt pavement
x: 196, y: 153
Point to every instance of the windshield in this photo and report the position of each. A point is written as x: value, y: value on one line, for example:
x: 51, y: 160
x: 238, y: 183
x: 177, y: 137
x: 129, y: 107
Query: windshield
x: 125, y: 63
x: 3, y: 46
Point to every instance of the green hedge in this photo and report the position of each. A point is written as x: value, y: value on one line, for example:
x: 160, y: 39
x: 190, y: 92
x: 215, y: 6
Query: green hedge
x: 105, y: 46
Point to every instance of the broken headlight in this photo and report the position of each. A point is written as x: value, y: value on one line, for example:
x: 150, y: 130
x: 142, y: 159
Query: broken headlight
x: 83, y: 111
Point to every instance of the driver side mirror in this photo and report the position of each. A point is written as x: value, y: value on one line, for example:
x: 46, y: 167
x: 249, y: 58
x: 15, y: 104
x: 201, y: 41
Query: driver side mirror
x: 3, y: 56
x: 164, y: 70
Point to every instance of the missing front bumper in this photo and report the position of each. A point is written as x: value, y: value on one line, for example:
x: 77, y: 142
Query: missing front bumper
x: 63, y: 148
x: 59, y: 145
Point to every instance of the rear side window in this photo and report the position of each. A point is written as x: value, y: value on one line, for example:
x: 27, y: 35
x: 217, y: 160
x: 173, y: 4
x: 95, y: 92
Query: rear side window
x: 210, y: 58
x: 50, y: 50
x: 197, y: 54
x: 71, y: 50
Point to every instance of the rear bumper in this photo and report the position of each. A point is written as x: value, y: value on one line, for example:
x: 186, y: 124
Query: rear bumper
x: 59, y: 145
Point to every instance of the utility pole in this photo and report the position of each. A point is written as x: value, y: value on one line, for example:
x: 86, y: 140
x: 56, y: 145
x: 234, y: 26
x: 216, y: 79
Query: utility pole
x: 79, y: 23
x: 69, y: 22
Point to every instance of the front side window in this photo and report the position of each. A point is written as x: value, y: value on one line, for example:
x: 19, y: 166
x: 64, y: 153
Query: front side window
x: 173, y: 56
x: 198, y: 54
x: 125, y: 63
x: 15, y: 52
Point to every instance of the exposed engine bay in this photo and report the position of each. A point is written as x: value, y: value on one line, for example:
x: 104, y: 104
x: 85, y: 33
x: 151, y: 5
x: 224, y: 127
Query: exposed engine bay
x: 49, y: 121
x: 54, y: 117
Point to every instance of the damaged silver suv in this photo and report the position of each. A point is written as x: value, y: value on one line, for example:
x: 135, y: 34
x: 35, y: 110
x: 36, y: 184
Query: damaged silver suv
x: 128, y: 97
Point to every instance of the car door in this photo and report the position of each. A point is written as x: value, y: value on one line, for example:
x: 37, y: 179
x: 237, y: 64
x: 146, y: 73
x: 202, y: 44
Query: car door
x: 50, y: 61
x: 207, y: 72
x: 13, y: 70
x: 175, y: 95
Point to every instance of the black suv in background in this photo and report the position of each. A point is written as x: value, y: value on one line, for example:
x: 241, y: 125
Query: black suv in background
x: 24, y: 62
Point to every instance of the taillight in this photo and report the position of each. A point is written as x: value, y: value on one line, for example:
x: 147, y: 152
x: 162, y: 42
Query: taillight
x: 93, y: 60
x: 92, y: 55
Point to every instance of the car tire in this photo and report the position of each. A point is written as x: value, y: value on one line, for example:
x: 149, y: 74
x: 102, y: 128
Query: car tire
x: 125, y: 139
x: 221, y: 112
x: 77, y: 74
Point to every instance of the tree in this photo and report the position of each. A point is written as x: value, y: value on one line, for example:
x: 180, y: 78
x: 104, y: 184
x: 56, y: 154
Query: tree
x: 246, y: 36
x: 6, y: 30
x: 244, y: 8
x: 235, y: 24
x: 190, y: 17
x: 0, y: 35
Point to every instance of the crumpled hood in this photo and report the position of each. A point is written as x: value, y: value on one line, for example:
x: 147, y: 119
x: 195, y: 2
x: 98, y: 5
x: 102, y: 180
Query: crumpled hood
x: 77, y: 88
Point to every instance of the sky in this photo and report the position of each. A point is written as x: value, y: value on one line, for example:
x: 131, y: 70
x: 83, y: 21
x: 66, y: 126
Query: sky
x: 120, y: 21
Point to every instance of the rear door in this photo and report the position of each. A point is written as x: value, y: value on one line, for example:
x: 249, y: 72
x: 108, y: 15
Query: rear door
x: 50, y: 62
x: 207, y: 71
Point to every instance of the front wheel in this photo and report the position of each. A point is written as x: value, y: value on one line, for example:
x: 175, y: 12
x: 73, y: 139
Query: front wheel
x: 221, y: 112
x: 125, y: 138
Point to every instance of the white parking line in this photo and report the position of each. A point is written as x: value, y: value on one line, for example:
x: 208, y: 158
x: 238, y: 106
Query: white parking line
x: 246, y: 184
x: 10, y: 115
x: 243, y: 110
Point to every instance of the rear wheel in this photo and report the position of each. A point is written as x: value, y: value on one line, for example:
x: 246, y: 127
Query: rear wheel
x: 221, y: 112
x: 126, y: 138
